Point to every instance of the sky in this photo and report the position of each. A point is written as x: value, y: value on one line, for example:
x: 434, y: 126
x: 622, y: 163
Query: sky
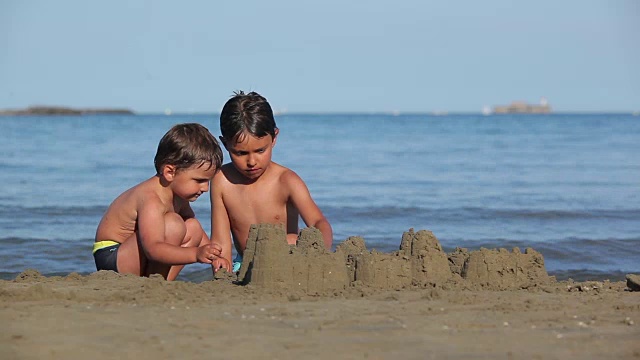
x: 321, y: 56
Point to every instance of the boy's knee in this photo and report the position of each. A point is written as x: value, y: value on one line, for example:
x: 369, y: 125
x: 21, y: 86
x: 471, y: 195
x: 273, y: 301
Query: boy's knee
x: 194, y: 229
x: 175, y: 228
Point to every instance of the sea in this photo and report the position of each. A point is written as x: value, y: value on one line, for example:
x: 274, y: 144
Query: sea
x: 566, y: 185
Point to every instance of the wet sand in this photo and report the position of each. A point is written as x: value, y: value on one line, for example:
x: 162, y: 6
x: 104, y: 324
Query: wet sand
x: 304, y: 302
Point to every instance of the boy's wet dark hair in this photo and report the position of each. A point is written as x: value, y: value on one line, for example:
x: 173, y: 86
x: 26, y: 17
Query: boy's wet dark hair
x: 188, y: 144
x: 247, y: 112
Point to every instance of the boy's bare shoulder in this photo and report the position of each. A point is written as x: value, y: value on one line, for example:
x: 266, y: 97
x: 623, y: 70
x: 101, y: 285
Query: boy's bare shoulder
x: 146, y: 192
x: 226, y: 174
x: 286, y: 176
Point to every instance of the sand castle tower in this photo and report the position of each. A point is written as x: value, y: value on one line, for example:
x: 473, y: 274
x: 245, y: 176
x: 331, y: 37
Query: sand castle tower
x: 500, y: 268
x: 308, y: 267
x: 374, y: 269
x: 419, y: 262
x: 429, y: 263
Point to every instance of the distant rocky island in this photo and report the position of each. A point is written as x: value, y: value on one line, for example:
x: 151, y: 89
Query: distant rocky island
x: 521, y: 107
x: 59, y: 110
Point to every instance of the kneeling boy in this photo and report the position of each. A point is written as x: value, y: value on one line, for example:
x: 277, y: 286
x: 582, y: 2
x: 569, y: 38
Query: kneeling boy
x: 252, y: 189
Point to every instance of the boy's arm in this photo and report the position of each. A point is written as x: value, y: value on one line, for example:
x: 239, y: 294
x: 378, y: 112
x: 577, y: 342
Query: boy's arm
x: 309, y: 211
x: 220, y: 226
x: 151, y: 227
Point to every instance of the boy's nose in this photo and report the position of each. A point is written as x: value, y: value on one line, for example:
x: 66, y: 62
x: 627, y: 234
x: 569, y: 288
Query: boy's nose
x: 205, y: 187
x: 251, y: 161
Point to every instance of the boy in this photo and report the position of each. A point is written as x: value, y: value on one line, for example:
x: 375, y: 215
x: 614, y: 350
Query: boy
x: 151, y: 228
x: 252, y: 189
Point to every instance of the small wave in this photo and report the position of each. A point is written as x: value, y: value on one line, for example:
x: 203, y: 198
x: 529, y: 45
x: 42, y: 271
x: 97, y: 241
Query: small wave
x: 19, y: 211
x: 25, y: 241
x: 19, y: 243
x: 569, y: 214
x: 588, y: 275
x: 371, y: 212
x: 8, y: 166
x: 478, y: 213
x: 565, y: 242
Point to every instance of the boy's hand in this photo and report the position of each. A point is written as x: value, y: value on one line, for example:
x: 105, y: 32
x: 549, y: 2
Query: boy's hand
x: 221, y: 263
x: 208, y: 253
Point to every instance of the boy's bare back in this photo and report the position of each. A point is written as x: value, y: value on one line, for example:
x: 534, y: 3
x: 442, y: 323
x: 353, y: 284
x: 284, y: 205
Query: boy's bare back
x: 119, y: 221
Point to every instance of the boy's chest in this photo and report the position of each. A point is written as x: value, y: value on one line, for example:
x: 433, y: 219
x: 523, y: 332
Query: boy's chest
x: 264, y: 204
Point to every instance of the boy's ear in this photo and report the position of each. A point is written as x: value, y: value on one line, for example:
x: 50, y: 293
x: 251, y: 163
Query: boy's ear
x: 276, y: 132
x: 169, y: 172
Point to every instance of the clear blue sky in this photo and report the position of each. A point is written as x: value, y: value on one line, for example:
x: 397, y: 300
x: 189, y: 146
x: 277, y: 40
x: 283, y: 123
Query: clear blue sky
x: 322, y: 56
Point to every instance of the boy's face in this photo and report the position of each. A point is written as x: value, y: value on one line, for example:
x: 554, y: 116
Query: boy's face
x: 191, y: 182
x: 252, y: 155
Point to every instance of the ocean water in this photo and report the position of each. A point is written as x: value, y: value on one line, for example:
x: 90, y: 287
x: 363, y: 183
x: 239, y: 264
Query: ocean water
x: 567, y: 185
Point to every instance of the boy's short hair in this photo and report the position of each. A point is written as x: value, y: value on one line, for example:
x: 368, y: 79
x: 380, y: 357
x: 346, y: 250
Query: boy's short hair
x: 247, y: 112
x: 188, y: 144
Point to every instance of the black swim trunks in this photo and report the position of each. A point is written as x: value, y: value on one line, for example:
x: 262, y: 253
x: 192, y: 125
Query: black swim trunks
x: 107, y: 258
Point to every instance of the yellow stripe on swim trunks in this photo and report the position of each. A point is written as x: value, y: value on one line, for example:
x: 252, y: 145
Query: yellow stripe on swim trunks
x: 103, y: 244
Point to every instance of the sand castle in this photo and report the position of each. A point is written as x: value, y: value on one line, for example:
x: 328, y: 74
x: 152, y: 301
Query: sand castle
x: 420, y: 262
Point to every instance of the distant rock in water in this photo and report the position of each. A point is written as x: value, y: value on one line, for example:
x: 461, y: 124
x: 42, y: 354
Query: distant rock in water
x: 521, y: 107
x: 58, y: 110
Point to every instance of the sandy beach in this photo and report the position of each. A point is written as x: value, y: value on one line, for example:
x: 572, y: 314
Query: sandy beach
x: 295, y: 302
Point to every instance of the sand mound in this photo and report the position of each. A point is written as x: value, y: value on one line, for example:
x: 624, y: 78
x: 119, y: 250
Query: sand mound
x: 420, y: 262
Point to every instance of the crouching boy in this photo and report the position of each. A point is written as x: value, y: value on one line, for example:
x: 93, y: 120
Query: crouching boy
x: 151, y: 228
